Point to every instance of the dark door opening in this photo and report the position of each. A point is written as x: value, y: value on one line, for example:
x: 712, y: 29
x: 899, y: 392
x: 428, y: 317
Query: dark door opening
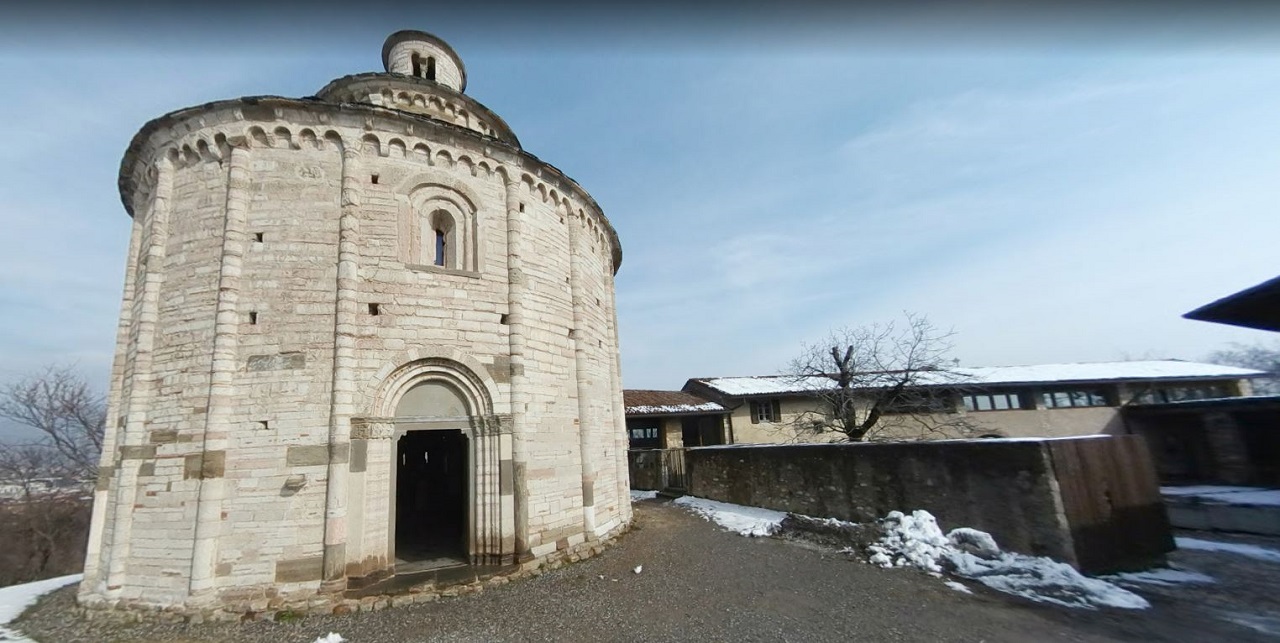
x: 701, y: 431
x: 431, y: 499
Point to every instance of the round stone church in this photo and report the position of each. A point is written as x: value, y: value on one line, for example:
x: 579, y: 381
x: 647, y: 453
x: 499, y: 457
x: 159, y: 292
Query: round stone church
x: 364, y: 334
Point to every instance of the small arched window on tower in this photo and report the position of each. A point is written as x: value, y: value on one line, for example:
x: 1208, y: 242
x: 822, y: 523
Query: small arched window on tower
x: 417, y: 65
x: 431, y: 68
x: 445, y: 252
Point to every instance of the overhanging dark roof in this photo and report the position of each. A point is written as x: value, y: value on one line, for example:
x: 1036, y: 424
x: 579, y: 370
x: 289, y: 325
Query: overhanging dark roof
x: 1257, y: 307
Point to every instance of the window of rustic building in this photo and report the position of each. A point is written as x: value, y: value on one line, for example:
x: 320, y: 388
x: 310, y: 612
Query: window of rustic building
x: 765, y: 411
x: 1165, y: 394
x: 920, y: 402
x: 1073, y: 398
x: 644, y: 437
x: 993, y: 402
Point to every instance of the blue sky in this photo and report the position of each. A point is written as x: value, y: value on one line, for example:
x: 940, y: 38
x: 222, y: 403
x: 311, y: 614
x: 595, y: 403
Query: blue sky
x: 1054, y: 190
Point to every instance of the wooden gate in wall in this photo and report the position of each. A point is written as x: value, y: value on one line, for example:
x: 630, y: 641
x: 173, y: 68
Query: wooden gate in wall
x: 674, y: 478
x: 1111, y: 499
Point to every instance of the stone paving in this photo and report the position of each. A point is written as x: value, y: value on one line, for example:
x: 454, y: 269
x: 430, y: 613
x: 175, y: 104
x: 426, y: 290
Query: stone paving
x: 698, y: 582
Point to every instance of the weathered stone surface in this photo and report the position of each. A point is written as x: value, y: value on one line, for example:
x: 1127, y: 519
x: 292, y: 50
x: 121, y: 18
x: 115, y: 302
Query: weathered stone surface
x: 164, y: 436
x: 299, y: 569
x: 137, y: 452
x: 307, y: 456
x: 359, y: 455
x: 200, y: 466
x: 276, y: 362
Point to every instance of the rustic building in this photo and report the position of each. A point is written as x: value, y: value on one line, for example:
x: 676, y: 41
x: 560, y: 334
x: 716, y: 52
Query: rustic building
x: 1041, y: 400
x: 362, y: 333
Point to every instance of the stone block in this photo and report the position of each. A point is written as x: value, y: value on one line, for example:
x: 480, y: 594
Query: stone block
x: 276, y: 362
x: 299, y: 570
x: 200, y: 466
x: 307, y: 456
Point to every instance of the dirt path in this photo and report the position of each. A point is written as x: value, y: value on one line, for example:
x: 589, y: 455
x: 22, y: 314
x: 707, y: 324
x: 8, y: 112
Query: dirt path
x: 698, y: 583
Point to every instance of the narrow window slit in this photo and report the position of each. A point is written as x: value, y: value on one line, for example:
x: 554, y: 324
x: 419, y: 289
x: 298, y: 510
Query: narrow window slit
x: 375, y: 309
x: 253, y: 317
x: 257, y: 236
x: 373, y: 178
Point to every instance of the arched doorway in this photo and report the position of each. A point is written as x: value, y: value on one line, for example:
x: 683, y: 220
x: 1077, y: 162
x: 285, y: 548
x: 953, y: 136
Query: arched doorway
x: 432, y: 481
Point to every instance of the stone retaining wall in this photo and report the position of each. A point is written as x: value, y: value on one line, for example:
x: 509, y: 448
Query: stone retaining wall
x: 1010, y: 488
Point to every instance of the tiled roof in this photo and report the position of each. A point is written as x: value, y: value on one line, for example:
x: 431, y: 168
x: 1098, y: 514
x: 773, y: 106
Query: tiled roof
x: 1151, y: 370
x: 642, y: 402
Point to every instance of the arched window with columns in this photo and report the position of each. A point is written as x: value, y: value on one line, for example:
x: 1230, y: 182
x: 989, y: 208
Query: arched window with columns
x: 438, y: 227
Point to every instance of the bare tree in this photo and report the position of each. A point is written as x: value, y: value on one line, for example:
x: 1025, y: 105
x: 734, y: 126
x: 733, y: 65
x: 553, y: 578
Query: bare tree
x: 872, y: 379
x: 45, y: 492
x: 68, y: 415
x: 44, y: 522
x: 1260, y: 356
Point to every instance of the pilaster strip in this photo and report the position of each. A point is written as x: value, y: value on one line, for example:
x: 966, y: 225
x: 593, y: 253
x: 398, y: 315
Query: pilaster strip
x: 222, y: 374
x: 344, y: 362
x: 143, y: 380
x: 515, y: 318
x: 619, y: 421
x: 586, y: 431
x: 111, y: 432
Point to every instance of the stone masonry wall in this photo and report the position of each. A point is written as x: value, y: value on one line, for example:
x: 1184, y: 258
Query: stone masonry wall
x: 1091, y: 502
x: 1006, y: 489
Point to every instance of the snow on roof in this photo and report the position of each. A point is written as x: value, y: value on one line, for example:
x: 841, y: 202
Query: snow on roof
x: 997, y: 375
x: 642, y: 402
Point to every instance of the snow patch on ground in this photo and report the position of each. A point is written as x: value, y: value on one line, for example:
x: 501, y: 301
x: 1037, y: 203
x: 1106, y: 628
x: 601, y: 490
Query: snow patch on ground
x: 331, y: 637
x: 637, y: 495
x: 1257, y: 622
x: 1252, y: 551
x: 1225, y: 495
x: 748, y: 521
x: 958, y: 586
x: 1163, y: 576
x: 915, y: 540
x: 14, y: 599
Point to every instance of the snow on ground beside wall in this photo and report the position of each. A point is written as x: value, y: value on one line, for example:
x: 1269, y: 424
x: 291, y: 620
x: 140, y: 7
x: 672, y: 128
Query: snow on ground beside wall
x: 748, y: 521
x: 1162, y: 576
x: 915, y: 540
x: 637, y: 495
x: 331, y: 637
x: 1252, y: 551
x: 1226, y: 495
x: 14, y: 599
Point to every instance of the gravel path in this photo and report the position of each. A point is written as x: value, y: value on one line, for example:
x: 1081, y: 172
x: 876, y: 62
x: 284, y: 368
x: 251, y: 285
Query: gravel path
x: 698, y: 583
